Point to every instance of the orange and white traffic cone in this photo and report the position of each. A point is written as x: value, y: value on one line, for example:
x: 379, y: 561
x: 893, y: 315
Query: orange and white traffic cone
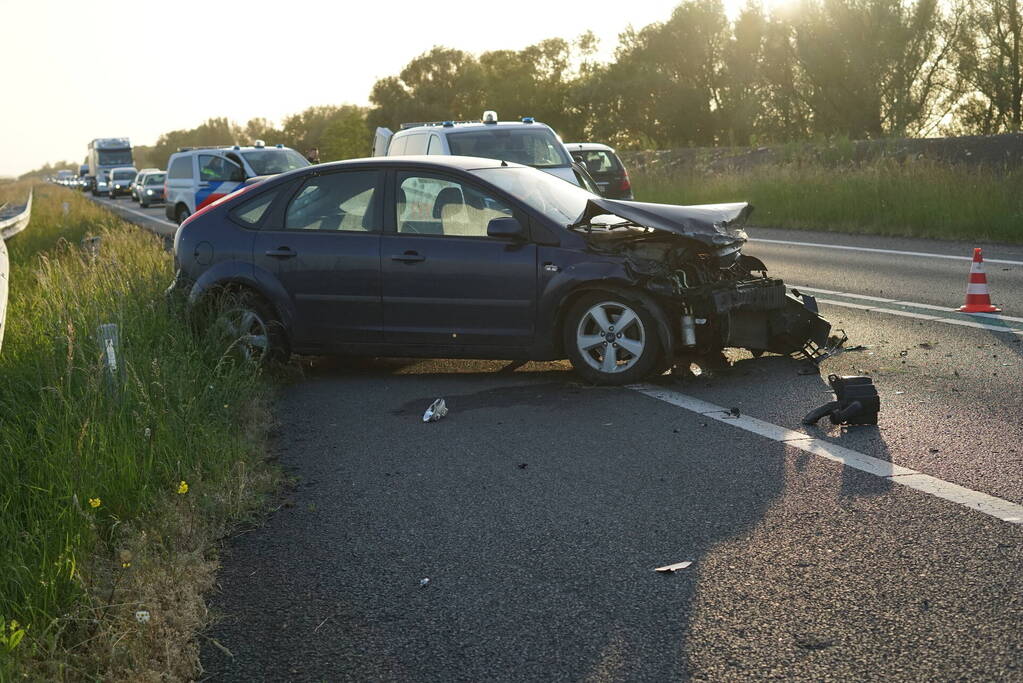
x: 977, y: 298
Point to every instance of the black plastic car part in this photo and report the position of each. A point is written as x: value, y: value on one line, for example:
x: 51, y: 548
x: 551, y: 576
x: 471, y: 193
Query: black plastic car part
x: 856, y: 402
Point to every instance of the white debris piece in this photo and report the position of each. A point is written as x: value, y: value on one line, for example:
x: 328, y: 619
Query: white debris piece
x: 423, y: 582
x: 669, y: 568
x: 142, y: 616
x: 436, y: 411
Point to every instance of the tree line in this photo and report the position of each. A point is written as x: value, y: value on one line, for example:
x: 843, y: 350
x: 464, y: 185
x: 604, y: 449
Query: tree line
x: 809, y: 69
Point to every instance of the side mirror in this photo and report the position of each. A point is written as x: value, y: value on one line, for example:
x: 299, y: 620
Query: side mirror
x: 505, y: 227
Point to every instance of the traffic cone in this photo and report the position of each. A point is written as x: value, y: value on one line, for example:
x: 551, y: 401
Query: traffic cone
x: 977, y: 298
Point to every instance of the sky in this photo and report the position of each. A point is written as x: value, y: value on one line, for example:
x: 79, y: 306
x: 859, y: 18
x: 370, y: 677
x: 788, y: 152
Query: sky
x: 74, y: 72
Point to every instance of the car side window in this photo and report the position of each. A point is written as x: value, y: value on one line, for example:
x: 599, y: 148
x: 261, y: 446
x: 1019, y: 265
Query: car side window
x: 416, y: 144
x: 397, y: 146
x: 215, y: 168
x: 180, y: 168
x: 428, y: 205
x: 336, y: 201
x: 250, y: 212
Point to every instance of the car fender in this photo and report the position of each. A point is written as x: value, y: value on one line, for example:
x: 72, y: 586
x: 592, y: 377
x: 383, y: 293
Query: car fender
x: 564, y: 287
x: 237, y: 273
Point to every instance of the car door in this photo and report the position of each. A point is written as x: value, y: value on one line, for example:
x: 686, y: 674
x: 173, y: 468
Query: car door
x: 323, y: 246
x: 218, y: 177
x: 445, y: 282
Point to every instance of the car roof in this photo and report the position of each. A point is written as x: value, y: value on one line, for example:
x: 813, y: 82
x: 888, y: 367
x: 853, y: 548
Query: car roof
x: 458, y: 127
x: 445, y: 160
x: 588, y: 147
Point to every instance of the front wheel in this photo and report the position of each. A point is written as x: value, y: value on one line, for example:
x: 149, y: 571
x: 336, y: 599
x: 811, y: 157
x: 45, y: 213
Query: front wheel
x: 611, y: 340
x: 182, y: 214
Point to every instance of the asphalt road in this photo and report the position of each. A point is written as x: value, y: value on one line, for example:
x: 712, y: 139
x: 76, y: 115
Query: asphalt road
x: 539, y: 507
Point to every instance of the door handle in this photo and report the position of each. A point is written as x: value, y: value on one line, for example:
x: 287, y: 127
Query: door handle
x: 281, y: 252
x: 408, y: 257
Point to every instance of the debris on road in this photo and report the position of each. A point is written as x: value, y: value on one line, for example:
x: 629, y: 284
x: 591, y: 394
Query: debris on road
x: 423, y: 582
x: 734, y: 412
x: 436, y: 411
x: 671, y: 568
x: 856, y: 402
x: 523, y: 465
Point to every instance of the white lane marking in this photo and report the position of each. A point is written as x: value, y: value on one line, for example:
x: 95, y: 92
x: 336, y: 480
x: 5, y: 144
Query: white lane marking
x: 975, y: 500
x: 116, y: 207
x: 909, y: 314
x: 921, y: 316
x: 897, y: 252
x: 144, y: 215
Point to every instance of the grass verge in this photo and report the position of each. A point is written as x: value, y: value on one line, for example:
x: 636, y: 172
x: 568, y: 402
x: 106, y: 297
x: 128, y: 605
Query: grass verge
x: 114, y: 488
x: 910, y: 199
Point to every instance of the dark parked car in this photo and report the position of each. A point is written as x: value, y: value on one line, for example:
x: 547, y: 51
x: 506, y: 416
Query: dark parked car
x: 445, y: 256
x: 604, y: 165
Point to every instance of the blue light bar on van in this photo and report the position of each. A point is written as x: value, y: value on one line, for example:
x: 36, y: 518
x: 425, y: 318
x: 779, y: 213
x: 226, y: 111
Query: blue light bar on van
x: 528, y: 119
x: 448, y: 124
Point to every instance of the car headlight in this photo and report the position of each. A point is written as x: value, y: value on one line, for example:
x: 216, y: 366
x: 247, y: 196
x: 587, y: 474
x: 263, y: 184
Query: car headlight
x: 149, y: 192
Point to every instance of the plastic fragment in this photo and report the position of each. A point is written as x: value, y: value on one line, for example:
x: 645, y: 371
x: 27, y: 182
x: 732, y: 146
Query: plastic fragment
x: 436, y: 411
x: 423, y: 582
x: 142, y: 616
x: 670, y: 568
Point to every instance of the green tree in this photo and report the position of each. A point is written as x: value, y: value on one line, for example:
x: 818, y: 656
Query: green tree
x: 346, y: 137
x: 990, y: 60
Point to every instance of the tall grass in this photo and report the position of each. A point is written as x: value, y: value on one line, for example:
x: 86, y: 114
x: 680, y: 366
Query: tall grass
x: 922, y: 199
x: 90, y: 466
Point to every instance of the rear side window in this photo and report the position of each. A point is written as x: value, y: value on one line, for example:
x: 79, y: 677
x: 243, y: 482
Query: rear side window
x: 598, y: 161
x: 416, y: 144
x: 397, y: 147
x: 250, y: 212
x: 336, y: 201
x: 180, y: 168
x: 435, y: 146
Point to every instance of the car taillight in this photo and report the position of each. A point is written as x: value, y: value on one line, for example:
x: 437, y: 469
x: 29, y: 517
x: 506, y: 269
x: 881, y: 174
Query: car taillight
x: 625, y: 185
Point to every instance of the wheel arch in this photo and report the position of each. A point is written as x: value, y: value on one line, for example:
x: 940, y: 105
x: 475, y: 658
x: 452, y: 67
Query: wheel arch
x: 626, y: 291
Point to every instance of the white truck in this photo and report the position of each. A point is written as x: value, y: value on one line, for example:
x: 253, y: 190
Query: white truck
x: 106, y: 154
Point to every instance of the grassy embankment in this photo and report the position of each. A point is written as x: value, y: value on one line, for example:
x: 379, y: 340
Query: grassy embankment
x: 96, y: 523
x: 883, y: 197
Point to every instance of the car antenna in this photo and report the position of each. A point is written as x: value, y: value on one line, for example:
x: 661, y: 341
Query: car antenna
x: 503, y: 162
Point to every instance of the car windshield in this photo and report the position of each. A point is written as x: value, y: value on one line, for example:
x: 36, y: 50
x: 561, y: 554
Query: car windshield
x: 537, y: 147
x: 155, y: 179
x: 114, y: 156
x: 558, y: 199
x: 271, y: 161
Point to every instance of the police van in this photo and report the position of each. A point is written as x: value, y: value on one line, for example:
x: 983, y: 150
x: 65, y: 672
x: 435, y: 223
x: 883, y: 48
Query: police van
x: 197, y: 176
x: 527, y: 142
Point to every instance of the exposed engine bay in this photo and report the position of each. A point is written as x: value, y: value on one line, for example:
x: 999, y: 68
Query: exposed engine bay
x: 691, y: 258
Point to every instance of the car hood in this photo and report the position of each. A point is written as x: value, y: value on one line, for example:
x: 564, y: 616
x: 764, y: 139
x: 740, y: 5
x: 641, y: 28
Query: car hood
x: 714, y: 224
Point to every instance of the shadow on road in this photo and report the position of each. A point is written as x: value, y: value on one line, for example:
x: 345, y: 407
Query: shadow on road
x: 537, y: 509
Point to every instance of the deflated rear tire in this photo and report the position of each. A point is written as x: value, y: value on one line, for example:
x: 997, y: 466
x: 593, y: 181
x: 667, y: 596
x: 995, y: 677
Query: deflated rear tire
x: 611, y: 339
x: 249, y: 328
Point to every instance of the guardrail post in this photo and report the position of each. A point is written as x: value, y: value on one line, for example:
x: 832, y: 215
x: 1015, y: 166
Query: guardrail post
x: 110, y: 344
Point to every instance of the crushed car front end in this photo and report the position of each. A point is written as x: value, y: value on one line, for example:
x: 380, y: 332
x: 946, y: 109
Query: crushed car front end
x: 689, y: 258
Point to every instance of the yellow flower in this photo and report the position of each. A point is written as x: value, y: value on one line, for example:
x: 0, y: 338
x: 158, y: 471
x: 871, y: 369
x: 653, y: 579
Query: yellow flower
x: 125, y: 565
x: 95, y: 502
x: 183, y: 487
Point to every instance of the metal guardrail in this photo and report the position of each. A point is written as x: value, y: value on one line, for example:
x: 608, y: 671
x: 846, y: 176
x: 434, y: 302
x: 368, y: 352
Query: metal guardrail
x: 12, y: 221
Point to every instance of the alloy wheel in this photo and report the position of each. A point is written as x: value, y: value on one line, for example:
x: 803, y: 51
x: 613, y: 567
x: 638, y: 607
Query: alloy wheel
x: 611, y: 337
